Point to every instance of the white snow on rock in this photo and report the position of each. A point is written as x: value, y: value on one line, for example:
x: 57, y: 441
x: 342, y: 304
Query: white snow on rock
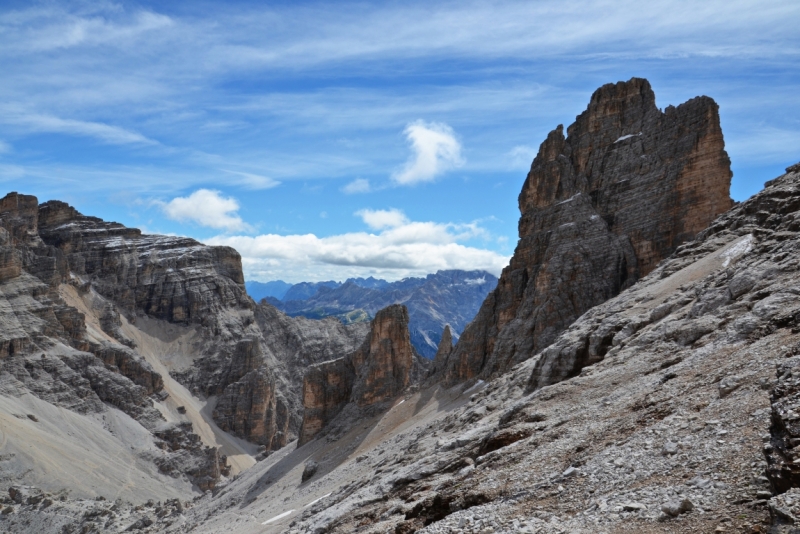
x: 627, y: 137
x: 279, y: 516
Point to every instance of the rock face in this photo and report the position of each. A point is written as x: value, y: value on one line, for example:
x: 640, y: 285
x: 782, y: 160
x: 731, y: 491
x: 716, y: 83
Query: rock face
x: 46, y: 348
x: 248, y: 354
x: 666, y: 431
x: 600, y: 208
x: 70, y: 286
x: 384, y: 366
x: 172, y: 278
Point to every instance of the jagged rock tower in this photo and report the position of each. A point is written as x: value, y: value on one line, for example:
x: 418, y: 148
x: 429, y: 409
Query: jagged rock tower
x: 383, y: 367
x: 600, y: 208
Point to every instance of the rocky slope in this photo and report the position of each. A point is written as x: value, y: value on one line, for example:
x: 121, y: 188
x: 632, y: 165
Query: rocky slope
x: 681, y: 426
x: 51, y: 351
x: 601, y: 207
x: 445, y: 298
x: 101, y: 320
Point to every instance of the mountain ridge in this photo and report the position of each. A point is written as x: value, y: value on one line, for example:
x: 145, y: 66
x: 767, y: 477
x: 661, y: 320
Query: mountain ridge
x: 434, y: 301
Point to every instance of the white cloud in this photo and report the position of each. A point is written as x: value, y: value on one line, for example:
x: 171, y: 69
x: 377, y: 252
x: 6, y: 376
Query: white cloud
x: 380, y: 219
x: 436, y: 150
x: 5, y: 148
x: 206, y: 208
x: 403, y: 248
x: 359, y: 185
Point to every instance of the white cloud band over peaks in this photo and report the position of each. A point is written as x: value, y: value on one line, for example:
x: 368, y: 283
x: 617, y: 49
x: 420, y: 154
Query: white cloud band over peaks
x: 435, y: 151
x: 401, y: 248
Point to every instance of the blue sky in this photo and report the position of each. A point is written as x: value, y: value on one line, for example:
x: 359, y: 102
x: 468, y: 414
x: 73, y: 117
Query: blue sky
x: 328, y: 140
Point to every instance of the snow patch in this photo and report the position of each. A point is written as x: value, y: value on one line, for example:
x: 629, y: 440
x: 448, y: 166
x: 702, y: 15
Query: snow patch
x: 627, y: 137
x: 315, y: 501
x: 475, y: 281
x: 478, y: 384
x: 570, y: 199
x: 280, y: 516
x: 737, y: 250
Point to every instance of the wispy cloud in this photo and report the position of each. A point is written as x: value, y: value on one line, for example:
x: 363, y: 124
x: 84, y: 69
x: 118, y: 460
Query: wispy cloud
x: 43, y: 123
x: 206, y: 208
x: 521, y: 156
x: 435, y: 151
x: 44, y: 29
x: 359, y: 185
x: 254, y: 181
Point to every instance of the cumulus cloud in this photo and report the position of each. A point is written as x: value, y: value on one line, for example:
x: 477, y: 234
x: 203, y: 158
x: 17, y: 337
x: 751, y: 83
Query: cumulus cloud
x: 206, y: 208
x: 435, y: 151
x: 359, y: 185
x: 401, y: 248
x: 380, y: 219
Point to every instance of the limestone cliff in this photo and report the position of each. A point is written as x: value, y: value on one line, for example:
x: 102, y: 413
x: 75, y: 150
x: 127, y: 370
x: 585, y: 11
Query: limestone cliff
x: 49, y: 351
x: 383, y: 367
x: 601, y: 207
x: 172, y: 278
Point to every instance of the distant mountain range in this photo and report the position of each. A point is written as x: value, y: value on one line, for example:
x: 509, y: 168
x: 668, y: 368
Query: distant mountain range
x: 447, y: 297
x: 260, y: 290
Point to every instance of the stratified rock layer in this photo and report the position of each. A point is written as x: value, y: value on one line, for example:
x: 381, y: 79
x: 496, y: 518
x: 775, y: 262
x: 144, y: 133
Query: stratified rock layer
x: 600, y: 208
x: 384, y: 366
x: 172, y: 278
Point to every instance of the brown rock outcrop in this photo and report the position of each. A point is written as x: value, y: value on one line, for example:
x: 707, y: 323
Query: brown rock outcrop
x: 600, y: 208
x: 250, y: 408
x: 443, y: 351
x: 327, y: 387
x: 384, y: 366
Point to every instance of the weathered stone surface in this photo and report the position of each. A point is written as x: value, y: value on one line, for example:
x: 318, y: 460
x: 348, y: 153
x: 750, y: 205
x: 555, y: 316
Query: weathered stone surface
x: 250, y: 408
x: 443, y: 351
x: 384, y: 366
x: 326, y: 390
x: 172, y: 278
x: 386, y: 362
x: 203, y: 465
x: 131, y: 365
x: 600, y: 208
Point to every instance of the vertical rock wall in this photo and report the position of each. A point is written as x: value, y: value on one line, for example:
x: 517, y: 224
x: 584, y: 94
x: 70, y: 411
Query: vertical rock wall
x: 383, y: 367
x: 600, y: 208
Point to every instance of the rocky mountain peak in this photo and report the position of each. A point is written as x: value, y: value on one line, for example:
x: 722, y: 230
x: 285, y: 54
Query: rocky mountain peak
x: 384, y: 362
x: 19, y: 215
x: 600, y: 208
x: 383, y: 367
